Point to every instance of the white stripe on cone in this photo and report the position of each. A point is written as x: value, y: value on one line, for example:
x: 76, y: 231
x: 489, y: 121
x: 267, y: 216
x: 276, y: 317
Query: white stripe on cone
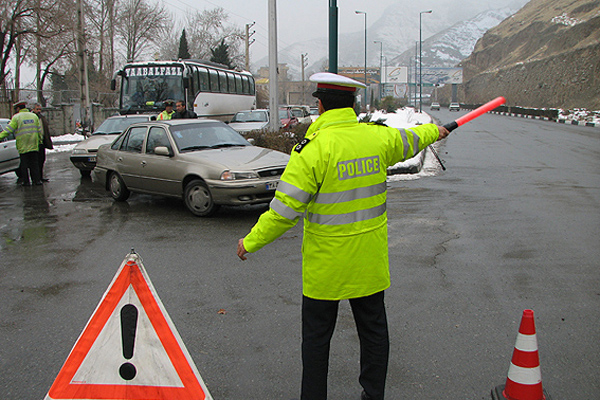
x: 524, y: 376
x: 526, y: 342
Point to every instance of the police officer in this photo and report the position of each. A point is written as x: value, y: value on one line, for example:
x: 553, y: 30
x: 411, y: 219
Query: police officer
x: 25, y: 125
x: 168, y: 111
x: 181, y: 112
x: 336, y: 179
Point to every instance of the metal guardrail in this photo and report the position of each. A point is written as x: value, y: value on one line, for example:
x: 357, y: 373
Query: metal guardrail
x: 549, y: 114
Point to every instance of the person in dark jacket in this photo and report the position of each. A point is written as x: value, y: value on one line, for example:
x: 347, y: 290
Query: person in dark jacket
x: 46, y: 139
x: 181, y: 112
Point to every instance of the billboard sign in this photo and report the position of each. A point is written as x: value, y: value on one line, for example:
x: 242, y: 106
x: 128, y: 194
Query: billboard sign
x: 395, y: 75
x: 442, y: 76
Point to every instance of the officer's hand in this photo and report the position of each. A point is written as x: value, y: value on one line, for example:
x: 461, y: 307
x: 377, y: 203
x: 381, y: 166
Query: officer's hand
x: 241, y: 250
x: 443, y: 132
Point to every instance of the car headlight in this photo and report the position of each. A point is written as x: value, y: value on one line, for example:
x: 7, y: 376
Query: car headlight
x: 80, y: 151
x: 232, y: 175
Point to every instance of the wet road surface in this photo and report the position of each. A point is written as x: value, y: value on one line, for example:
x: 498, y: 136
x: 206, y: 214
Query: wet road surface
x: 512, y: 224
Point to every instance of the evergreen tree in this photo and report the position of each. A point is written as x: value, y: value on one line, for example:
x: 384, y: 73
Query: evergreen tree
x: 184, y: 52
x: 220, y: 54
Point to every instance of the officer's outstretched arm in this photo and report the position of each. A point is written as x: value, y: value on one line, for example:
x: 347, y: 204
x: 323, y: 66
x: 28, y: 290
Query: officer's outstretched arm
x: 443, y: 132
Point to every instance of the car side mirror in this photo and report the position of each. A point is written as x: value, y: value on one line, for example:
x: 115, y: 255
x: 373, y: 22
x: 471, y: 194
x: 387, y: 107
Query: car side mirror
x: 162, y: 151
x: 113, y: 84
x: 251, y: 141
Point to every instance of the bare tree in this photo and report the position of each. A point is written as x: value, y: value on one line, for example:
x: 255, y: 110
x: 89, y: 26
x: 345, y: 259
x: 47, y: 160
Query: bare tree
x: 17, y: 19
x: 206, y: 30
x: 140, y: 26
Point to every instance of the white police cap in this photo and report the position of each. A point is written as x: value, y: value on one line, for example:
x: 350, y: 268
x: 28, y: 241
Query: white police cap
x: 328, y: 82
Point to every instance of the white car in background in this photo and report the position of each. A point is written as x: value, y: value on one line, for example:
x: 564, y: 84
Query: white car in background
x: 83, y: 155
x: 9, y: 156
x: 250, y: 120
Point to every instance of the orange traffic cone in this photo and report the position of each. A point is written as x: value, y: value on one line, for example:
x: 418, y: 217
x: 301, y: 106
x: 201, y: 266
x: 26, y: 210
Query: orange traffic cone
x: 524, y: 381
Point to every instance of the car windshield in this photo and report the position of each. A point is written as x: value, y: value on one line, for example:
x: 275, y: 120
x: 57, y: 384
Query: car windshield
x: 250, y: 116
x: 114, y: 126
x: 297, y: 113
x: 194, y: 136
x: 283, y: 114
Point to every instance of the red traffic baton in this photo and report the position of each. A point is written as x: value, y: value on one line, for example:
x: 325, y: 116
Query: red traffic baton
x: 490, y: 105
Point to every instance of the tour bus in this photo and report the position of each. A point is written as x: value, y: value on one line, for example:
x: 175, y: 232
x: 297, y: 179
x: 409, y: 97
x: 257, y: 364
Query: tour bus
x: 209, y: 89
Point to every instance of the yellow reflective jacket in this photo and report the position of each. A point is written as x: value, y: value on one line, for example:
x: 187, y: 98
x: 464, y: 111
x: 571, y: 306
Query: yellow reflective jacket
x: 336, y: 179
x: 27, y: 130
x: 165, y: 115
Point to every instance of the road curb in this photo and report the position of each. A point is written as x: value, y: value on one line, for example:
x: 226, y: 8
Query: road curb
x: 560, y: 121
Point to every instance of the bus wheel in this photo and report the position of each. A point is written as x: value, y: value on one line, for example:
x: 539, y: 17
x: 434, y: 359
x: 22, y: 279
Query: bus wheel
x: 117, y: 187
x: 198, y: 199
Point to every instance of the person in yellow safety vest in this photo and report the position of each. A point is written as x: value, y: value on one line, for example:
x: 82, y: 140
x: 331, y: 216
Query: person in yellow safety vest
x: 168, y: 111
x: 336, y: 179
x: 26, y: 127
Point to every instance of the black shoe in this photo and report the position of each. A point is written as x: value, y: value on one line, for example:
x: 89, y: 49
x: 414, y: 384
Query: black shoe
x: 38, y: 183
x: 45, y: 180
x: 25, y: 184
x: 364, y: 396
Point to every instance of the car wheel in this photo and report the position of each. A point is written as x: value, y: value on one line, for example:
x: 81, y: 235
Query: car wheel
x: 117, y: 187
x: 198, y: 199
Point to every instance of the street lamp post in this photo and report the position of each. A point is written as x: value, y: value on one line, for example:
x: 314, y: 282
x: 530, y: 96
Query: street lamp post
x: 380, y: 68
x: 365, y: 13
x: 421, y: 61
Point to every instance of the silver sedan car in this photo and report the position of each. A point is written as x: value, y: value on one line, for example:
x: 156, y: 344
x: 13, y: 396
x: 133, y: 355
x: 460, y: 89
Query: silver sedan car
x: 9, y: 156
x: 205, y: 162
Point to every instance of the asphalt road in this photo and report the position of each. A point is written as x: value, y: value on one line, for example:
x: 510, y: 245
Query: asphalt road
x: 512, y: 224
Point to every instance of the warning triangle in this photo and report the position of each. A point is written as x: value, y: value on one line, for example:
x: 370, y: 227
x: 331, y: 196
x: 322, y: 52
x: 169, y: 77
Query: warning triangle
x: 130, y: 348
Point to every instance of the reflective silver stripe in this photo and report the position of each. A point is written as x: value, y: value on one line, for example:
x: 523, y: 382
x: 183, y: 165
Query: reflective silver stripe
x: 294, y: 192
x: 416, y: 140
x: 26, y: 131
x: 349, y: 195
x: 348, y: 218
x: 283, y: 210
x: 404, y: 142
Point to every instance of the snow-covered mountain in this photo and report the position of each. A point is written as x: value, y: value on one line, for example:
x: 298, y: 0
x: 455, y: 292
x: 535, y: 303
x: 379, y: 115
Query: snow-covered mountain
x: 451, y: 46
x: 449, y: 33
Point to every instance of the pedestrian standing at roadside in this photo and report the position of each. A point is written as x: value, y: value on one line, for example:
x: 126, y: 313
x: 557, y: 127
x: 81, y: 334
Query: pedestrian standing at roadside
x: 181, y: 112
x: 46, y: 139
x: 336, y: 180
x: 168, y: 112
x: 25, y: 125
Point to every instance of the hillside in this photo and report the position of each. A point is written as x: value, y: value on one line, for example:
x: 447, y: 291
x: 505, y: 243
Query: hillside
x: 546, y: 55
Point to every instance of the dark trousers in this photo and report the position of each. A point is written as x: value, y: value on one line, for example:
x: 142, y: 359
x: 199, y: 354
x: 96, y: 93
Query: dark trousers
x: 30, y: 167
x: 318, y: 323
x: 41, y: 160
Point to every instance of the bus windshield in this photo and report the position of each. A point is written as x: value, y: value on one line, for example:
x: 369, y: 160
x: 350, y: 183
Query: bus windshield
x: 148, y: 87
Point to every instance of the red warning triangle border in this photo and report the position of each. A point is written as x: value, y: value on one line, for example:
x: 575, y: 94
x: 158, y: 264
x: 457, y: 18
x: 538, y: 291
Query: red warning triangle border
x: 64, y: 388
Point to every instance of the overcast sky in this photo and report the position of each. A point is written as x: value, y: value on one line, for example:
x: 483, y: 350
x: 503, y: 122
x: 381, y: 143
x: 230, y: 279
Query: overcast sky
x: 308, y: 19
x: 296, y: 20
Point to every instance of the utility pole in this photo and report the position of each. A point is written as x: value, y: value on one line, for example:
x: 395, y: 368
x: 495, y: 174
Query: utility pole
x: 304, y: 64
x: 273, y: 69
x: 249, y: 43
x: 333, y: 36
x: 84, y: 89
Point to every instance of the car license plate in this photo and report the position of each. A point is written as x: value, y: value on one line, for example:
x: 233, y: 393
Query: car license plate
x: 272, y: 185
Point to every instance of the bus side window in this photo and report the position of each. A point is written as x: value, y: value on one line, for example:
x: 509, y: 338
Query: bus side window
x: 231, y: 82
x: 214, y: 81
x: 223, y: 81
x: 252, y: 87
x: 238, y: 84
x: 204, y: 87
x: 245, y: 85
x: 194, y: 81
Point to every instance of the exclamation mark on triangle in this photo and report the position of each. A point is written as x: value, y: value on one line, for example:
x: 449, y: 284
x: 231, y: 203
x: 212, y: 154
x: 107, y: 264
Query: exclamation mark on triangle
x: 129, y: 316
